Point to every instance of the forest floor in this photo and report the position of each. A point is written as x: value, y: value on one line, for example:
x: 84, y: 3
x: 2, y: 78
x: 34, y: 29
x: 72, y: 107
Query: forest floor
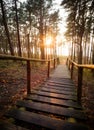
x: 13, y: 81
x: 13, y: 85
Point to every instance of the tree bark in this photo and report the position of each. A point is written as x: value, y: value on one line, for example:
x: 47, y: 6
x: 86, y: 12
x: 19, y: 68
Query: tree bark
x: 41, y: 31
x: 18, y: 34
x: 6, y: 28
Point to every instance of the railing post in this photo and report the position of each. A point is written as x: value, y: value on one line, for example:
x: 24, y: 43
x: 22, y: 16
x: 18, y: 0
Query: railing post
x: 79, y: 87
x: 54, y: 63
x: 58, y: 60
x: 48, y: 69
x: 72, y: 67
x: 69, y: 65
x: 67, y: 62
x: 28, y: 77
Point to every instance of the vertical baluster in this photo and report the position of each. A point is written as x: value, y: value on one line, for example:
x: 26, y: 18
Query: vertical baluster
x: 28, y: 77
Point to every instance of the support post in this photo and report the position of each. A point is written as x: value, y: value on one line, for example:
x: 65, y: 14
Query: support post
x: 48, y: 69
x: 28, y: 77
x: 72, y: 67
x: 58, y: 61
x: 54, y: 63
x: 79, y: 87
x: 69, y: 64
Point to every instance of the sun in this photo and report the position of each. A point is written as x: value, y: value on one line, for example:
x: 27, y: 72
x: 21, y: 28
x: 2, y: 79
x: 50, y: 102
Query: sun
x: 48, y: 41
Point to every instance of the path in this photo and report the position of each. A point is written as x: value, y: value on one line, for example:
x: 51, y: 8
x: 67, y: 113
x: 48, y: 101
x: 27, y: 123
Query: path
x: 52, y: 106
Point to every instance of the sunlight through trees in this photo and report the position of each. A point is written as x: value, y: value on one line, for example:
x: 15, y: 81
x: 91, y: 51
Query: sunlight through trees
x: 26, y: 24
x: 80, y: 29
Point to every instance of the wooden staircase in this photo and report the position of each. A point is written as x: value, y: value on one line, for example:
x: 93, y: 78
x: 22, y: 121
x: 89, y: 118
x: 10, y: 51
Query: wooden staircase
x: 53, y: 106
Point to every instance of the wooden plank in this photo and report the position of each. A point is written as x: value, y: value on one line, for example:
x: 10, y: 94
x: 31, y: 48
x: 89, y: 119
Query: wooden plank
x: 55, y: 95
x: 58, y: 91
x: 59, y: 111
x: 60, y: 88
x: 61, y: 79
x: 54, y: 101
x: 61, y: 83
x: 43, y: 121
x: 5, y: 125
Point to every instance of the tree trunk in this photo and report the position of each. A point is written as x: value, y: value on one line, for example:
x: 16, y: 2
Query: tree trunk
x: 41, y: 31
x: 6, y: 28
x: 80, y: 52
x: 28, y: 46
x: 18, y: 34
x: 93, y: 56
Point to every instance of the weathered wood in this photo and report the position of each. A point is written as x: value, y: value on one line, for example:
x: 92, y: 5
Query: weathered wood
x: 55, y: 95
x: 58, y: 91
x: 61, y: 88
x: 56, y: 79
x: 61, y: 83
x: 80, y: 76
x: 48, y: 74
x: 54, y: 101
x: 58, y: 111
x: 31, y: 118
x: 88, y: 66
x: 9, y: 57
x: 79, y: 87
x: 54, y: 63
x: 28, y: 78
x: 4, y: 125
x: 72, y: 69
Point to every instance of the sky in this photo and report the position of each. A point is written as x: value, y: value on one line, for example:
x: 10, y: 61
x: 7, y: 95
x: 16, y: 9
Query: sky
x: 63, y: 16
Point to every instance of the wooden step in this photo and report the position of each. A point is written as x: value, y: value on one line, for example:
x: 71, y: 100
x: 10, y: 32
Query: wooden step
x: 10, y: 126
x: 30, y: 118
x: 60, y: 79
x: 65, y: 92
x: 51, y: 107
x: 62, y: 88
x: 56, y: 110
x: 61, y: 83
x: 54, y: 101
x: 55, y: 95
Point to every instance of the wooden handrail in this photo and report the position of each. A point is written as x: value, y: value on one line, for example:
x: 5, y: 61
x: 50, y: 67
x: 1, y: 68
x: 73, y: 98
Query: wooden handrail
x: 80, y: 75
x: 9, y: 57
x: 88, y: 66
x: 28, y: 60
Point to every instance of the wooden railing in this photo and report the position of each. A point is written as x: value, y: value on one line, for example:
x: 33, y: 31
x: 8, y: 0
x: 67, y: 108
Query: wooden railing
x: 71, y: 64
x: 28, y: 60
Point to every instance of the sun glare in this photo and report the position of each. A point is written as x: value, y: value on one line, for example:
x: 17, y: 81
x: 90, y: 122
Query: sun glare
x: 48, y: 41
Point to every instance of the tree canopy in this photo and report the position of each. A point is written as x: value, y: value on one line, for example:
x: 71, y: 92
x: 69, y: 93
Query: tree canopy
x: 25, y: 26
x: 80, y: 27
